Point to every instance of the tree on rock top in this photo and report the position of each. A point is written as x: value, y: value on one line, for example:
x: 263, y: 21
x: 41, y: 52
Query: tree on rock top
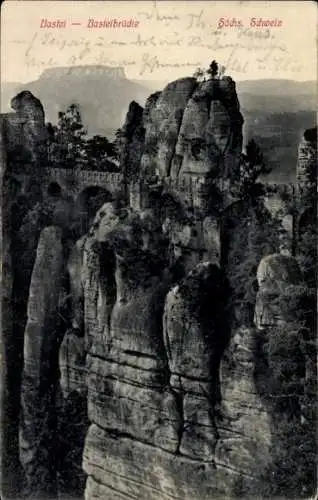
x: 213, y: 69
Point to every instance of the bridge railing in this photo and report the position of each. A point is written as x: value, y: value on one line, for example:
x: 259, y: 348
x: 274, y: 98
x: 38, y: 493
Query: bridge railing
x: 87, y: 175
x: 84, y: 176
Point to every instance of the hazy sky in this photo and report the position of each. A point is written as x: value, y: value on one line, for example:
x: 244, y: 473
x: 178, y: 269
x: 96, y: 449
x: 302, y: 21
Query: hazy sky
x: 171, y: 40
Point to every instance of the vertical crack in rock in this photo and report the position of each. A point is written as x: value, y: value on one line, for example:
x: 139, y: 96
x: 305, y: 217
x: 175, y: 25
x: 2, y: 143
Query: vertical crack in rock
x: 197, y: 333
x: 178, y: 395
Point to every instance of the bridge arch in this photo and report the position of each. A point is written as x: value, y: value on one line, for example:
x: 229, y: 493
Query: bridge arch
x: 307, y: 221
x: 54, y: 189
x: 73, y: 181
x: 88, y: 202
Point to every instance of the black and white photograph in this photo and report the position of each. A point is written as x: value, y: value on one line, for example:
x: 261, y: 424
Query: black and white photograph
x: 158, y: 214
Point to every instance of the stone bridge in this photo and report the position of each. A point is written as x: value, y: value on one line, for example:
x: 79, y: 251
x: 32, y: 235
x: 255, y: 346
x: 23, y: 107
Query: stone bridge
x: 75, y: 181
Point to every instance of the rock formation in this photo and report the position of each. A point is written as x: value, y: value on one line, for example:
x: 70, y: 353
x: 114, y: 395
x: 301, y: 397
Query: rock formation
x: 40, y: 368
x: 245, y: 426
x: 196, y: 334
x: 307, y: 164
x: 22, y: 148
x: 29, y: 115
x: 10, y: 349
x: 283, y: 311
x: 306, y: 192
x: 143, y: 373
x: 72, y: 421
x: 275, y: 273
x: 133, y: 141
x: 159, y: 358
x: 193, y: 414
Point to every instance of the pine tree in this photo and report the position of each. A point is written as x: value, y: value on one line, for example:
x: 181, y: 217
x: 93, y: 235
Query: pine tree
x: 213, y: 69
x: 251, y: 167
x: 67, y: 139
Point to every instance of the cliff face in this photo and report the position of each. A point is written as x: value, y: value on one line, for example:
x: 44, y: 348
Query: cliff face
x: 28, y: 121
x: 175, y: 386
x: 245, y: 430
x: 22, y: 148
x: 153, y: 362
x: 9, y: 460
x: 275, y: 273
x: 307, y: 163
x: 306, y: 189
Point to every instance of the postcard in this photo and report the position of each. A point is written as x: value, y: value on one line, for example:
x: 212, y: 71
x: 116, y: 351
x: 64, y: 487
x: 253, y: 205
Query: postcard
x: 159, y: 249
